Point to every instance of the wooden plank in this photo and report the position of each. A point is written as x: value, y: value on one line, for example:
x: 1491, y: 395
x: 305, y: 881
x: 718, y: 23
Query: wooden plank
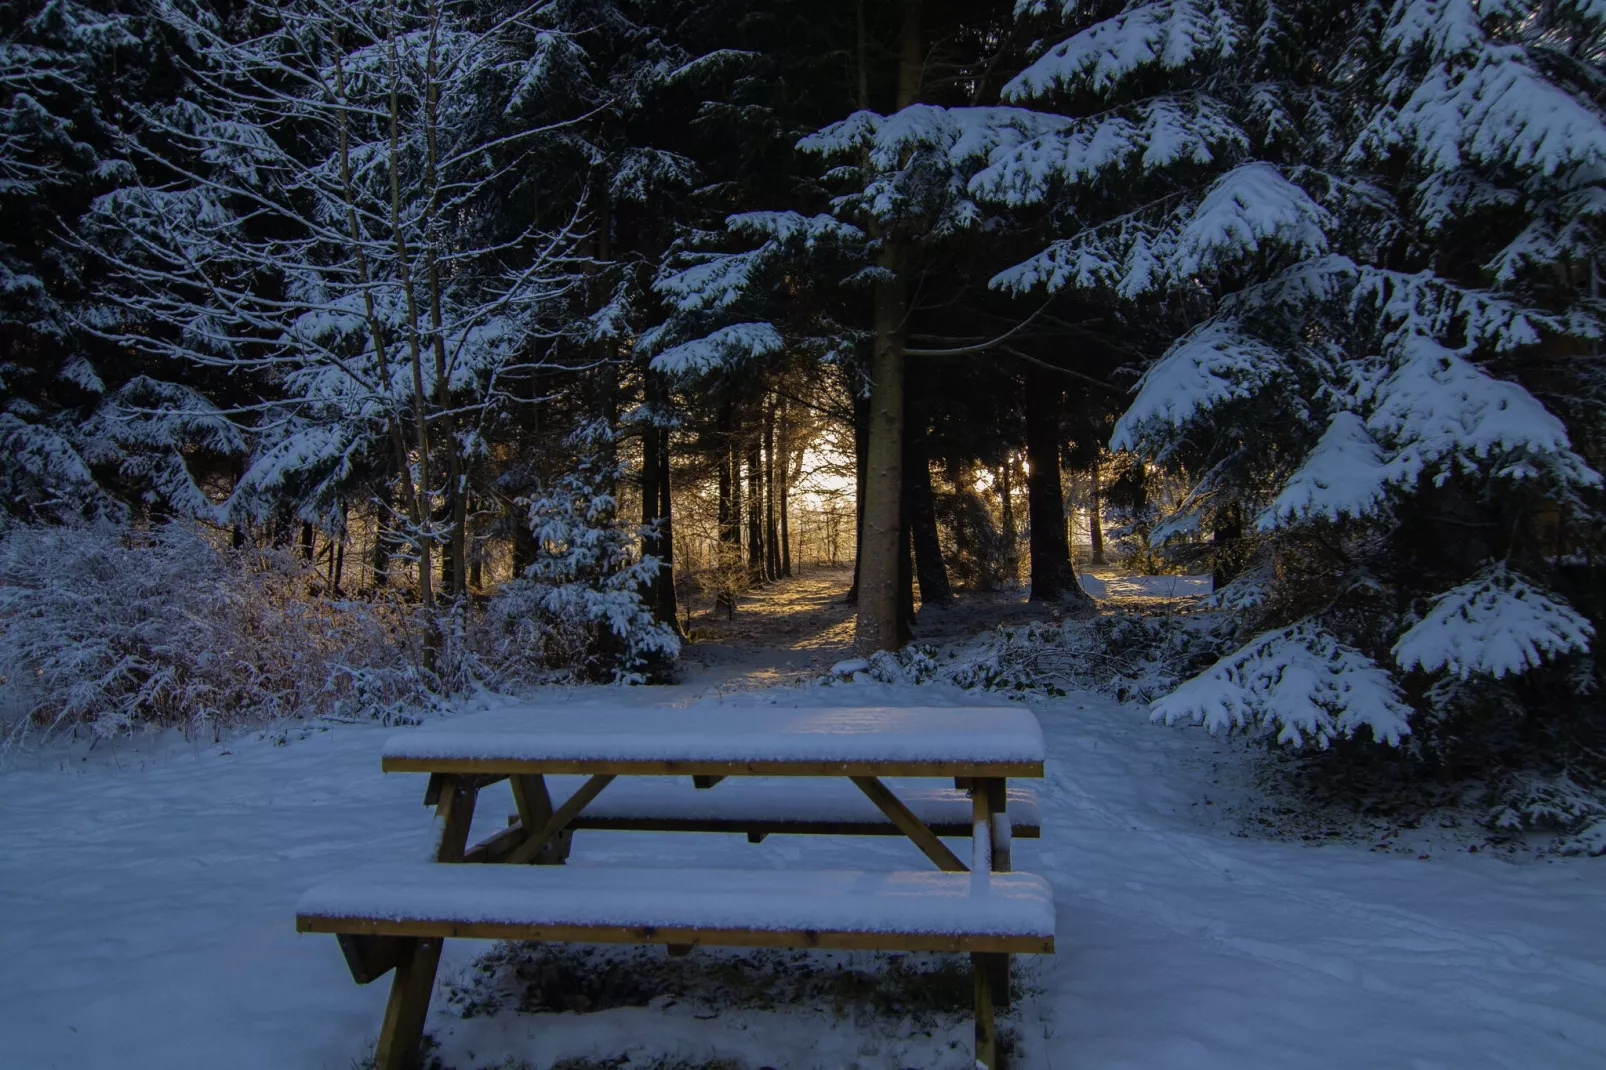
x: 371, y: 957
x: 695, y: 937
x: 986, y: 1028
x: 909, y: 824
x: 767, y: 828
x: 403, y: 1028
x: 456, y: 809
x: 499, y: 767
x: 556, y: 823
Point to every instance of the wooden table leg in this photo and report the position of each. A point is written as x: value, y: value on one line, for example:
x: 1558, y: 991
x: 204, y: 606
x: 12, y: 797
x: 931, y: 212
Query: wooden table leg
x: 403, y: 1029
x: 981, y: 968
x: 559, y: 821
x: 535, y: 810
x: 990, y: 849
x: 456, y: 809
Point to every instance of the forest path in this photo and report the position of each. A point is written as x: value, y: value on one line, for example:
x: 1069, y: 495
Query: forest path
x: 798, y: 627
x: 783, y: 631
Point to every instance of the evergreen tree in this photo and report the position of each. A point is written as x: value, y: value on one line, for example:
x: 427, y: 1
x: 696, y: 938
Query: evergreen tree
x: 1373, y: 228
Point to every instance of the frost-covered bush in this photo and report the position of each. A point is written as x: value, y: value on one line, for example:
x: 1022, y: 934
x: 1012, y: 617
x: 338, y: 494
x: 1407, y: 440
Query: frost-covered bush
x: 578, y: 609
x: 114, y: 630
x: 1126, y: 656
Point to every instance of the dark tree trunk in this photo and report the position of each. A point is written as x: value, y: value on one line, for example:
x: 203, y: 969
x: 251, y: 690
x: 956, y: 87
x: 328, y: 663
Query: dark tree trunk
x: 667, y: 607
x: 906, y: 582
x: 1095, y: 525
x: 385, y: 540
x: 1053, y: 576
x: 861, y: 466
x: 1010, y: 566
x: 651, y: 524
x: 929, y: 567
x: 772, y: 531
x: 730, y: 501
x: 1226, y: 537
x: 786, y: 481
x: 308, y: 538
x: 755, y: 507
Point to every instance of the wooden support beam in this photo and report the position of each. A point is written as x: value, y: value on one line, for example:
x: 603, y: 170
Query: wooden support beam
x: 705, y: 782
x: 496, y: 848
x: 403, y: 1028
x: 990, y: 838
x: 910, y: 825
x: 456, y: 809
x: 556, y: 823
x: 371, y: 957
x: 986, y: 1028
x: 535, y: 810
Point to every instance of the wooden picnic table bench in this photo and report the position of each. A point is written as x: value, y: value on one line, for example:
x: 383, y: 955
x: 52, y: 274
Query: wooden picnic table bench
x: 395, y: 918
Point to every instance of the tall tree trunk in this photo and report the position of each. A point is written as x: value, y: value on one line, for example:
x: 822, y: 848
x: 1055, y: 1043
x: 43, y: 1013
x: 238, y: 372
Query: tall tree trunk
x: 1010, y: 565
x: 1227, y: 537
x: 1095, y: 525
x: 1053, y: 576
x: 861, y: 469
x: 755, y: 506
x: 730, y: 502
x: 667, y: 608
x: 786, y: 482
x: 651, y: 527
x: 930, y: 570
x: 877, y: 626
x: 772, y: 531
x: 308, y: 540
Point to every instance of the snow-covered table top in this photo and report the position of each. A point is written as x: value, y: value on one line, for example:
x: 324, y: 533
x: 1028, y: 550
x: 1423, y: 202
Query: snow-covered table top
x: 481, y: 900
x: 712, y: 741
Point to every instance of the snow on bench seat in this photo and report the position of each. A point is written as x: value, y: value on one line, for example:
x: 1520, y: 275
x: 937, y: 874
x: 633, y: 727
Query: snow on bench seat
x: 715, y: 740
x: 779, y: 804
x: 915, y: 911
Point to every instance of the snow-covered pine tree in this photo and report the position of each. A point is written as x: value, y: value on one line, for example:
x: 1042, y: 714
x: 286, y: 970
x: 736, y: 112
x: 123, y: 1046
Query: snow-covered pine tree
x: 74, y: 419
x: 579, y: 607
x: 334, y: 224
x: 1376, y: 226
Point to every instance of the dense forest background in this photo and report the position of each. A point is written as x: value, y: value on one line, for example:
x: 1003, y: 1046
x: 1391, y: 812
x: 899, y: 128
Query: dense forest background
x: 352, y: 354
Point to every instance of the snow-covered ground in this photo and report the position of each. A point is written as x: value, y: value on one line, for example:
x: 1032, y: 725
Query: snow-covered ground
x: 148, y: 893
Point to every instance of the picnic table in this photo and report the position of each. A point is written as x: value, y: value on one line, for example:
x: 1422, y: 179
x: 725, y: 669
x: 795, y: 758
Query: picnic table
x: 387, y: 920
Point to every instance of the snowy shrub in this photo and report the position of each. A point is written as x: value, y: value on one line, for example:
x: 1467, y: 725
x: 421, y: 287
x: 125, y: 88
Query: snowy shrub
x: 1125, y: 655
x: 115, y: 630
x: 578, y: 609
x: 1555, y: 803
